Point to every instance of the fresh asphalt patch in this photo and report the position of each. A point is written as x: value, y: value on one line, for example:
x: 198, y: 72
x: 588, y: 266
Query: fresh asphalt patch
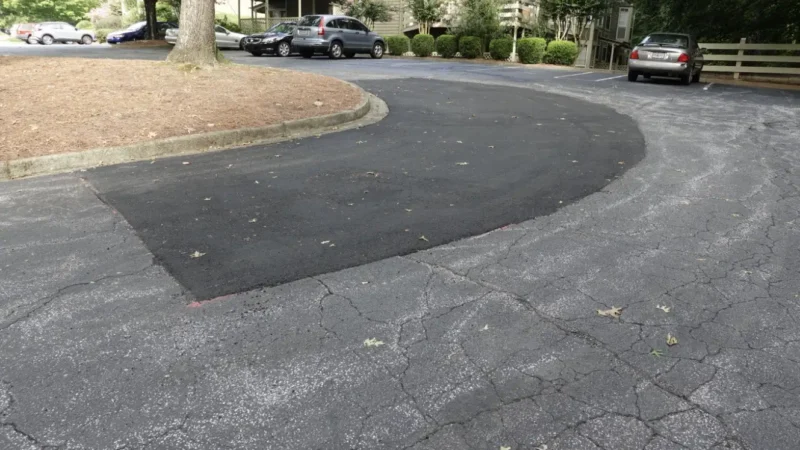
x: 451, y: 160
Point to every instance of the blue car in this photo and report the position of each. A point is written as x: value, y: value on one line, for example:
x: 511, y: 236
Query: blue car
x: 138, y: 31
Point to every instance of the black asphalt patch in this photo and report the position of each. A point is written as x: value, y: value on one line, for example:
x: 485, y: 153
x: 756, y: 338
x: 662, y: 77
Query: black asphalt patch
x: 451, y: 160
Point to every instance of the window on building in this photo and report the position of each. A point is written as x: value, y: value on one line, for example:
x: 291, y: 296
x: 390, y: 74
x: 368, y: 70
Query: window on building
x: 623, y: 24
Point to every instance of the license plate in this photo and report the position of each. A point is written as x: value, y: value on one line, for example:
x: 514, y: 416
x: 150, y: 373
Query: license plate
x: 659, y: 55
x: 302, y: 32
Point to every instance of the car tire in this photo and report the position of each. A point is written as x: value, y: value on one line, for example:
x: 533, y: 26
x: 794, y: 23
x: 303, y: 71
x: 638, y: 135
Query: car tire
x: 335, y: 52
x: 241, y: 44
x: 86, y: 39
x: 696, y: 77
x: 350, y: 55
x: 646, y: 76
x: 47, y: 40
x: 632, y: 75
x: 377, y: 51
x: 30, y: 40
x: 306, y: 54
x: 256, y: 53
x: 686, y: 80
x: 284, y: 49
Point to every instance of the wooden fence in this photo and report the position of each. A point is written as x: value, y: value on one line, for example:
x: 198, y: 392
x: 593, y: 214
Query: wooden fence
x: 781, y: 59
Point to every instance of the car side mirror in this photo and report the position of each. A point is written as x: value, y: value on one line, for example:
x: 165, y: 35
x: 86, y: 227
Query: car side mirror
x: 76, y: 28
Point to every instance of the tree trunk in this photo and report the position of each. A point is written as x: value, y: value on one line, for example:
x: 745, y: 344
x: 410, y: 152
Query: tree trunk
x: 150, y: 17
x: 196, y: 40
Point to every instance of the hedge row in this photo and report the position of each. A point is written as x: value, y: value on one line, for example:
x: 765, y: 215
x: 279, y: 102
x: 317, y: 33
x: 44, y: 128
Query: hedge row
x: 398, y: 45
x: 563, y: 53
x: 422, y: 45
x: 529, y: 50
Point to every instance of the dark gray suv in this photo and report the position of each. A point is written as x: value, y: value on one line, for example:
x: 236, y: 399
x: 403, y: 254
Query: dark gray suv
x: 335, y: 36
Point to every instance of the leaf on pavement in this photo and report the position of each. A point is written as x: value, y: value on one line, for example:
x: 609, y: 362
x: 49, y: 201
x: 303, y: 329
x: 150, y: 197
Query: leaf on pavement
x: 408, y: 210
x: 613, y: 312
x: 505, y: 448
x: 671, y: 340
x: 253, y: 220
x: 372, y: 342
x: 186, y: 163
x: 318, y: 103
x: 664, y: 308
x: 423, y: 238
x: 459, y: 142
x: 152, y: 134
x: 325, y: 242
x: 657, y: 353
x: 196, y: 254
x: 462, y: 163
x: 485, y: 327
x: 207, y: 198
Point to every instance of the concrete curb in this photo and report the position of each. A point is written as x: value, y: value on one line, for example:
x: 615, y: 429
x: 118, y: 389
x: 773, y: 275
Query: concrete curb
x: 182, y: 145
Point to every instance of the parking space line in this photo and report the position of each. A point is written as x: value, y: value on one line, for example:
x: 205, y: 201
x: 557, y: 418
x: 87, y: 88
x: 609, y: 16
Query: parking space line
x: 610, y: 78
x: 573, y: 75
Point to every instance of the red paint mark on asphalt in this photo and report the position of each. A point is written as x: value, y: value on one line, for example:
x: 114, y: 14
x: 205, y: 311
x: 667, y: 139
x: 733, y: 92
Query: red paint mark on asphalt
x: 198, y: 304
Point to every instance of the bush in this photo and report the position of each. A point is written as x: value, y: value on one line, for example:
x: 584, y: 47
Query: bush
x: 470, y: 47
x: 102, y: 34
x: 562, y: 53
x: 447, y: 46
x: 500, y: 48
x: 227, y: 24
x: 110, y: 22
x: 398, y: 45
x: 422, y: 45
x: 531, y: 50
x: 84, y: 25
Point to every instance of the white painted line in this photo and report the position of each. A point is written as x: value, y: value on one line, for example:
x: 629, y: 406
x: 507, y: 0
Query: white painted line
x: 573, y: 75
x: 610, y: 78
x: 708, y: 86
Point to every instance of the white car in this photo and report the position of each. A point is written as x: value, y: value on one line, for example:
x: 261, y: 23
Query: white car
x: 47, y: 33
x: 225, y: 38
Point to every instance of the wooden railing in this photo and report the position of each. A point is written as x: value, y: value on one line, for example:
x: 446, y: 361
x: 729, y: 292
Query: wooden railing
x: 788, y: 63
x: 250, y: 26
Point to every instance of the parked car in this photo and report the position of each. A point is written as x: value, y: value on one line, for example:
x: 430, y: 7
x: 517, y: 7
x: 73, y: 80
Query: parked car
x: 138, y: 31
x: 22, y: 31
x: 277, y: 40
x: 47, y: 33
x: 667, y: 55
x: 225, y: 38
x: 336, y: 36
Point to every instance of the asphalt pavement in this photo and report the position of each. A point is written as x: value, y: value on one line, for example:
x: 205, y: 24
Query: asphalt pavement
x: 488, y: 342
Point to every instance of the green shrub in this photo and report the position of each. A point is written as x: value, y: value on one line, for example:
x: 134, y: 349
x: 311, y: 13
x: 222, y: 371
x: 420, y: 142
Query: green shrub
x: 422, y: 45
x: 500, y: 48
x: 84, y: 25
x: 110, y: 22
x: 102, y: 34
x: 531, y: 50
x: 398, y: 45
x: 562, y: 53
x: 447, y: 46
x: 470, y: 47
x: 227, y: 24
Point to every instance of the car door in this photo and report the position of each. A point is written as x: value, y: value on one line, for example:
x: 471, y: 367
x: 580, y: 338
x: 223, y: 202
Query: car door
x: 360, y: 34
x: 70, y: 32
x: 697, y: 55
x: 223, y: 37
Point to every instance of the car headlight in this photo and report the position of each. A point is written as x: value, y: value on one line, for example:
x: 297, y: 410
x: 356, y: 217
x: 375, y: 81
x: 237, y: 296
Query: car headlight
x: 270, y: 40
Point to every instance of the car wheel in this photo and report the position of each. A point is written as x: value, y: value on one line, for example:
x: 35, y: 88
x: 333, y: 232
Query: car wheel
x: 241, y: 44
x: 335, y: 51
x: 696, y: 77
x: 86, y: 40
x: 633, y: 76
x: 350, y: 55
x: 30, y: 40
x: 256, y: 53
x: 377, y: 51
x: 306, y: 54
x: 284, y: 49
x: 47, y: 39
x: 646, y: 76
x: 686, y: 79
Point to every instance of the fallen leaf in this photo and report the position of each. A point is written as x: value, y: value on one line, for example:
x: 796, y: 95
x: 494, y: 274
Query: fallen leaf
x: 423, y: 238
x: 207, y: 198
x: 613, y: 312
x: 621, y: 163
x: 505, y: 448
x: 152, y: 134
x: 657, y: 353
x: 462, y: 163
x: 491, y: 146
x: 664, y: 308
x: 256, y: 181
x: 361, y: 142
x: 186, y: 163
x: 372, y: 342
x: 211, y: 125
x: 325, y: 242
x: 671, y: 340
x: 735, y: 215
x: 332, y: 245
x: 34, y: 127
x: 196, y: 254
x: 365, y: 282
x: 350, y: 204
x: 408, y: 210
x: 253, y: 220
x: 459, y: 142
x: 485, y: 327
x: 318, y: 103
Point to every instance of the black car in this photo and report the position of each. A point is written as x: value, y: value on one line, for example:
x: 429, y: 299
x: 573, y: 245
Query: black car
x: 277, y: 40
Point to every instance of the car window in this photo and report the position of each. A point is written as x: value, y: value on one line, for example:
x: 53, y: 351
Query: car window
x: 335, y: 23
x: 219, y: 29
x: 666, y: 40
x: 282, y: 28
x: 358, y: 26
x: 309, y: 21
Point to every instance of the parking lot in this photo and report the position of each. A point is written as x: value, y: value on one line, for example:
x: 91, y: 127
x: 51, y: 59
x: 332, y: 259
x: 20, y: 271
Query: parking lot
x: 547, y: 199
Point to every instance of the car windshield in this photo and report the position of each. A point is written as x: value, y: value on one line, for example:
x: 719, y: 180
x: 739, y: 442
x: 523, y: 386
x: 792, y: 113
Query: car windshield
x: 666, y: 40
x: 136, y: 26
x: 282, y: 28
x: 309, y: 21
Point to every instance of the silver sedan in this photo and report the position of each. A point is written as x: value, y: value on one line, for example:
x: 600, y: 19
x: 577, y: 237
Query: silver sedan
x: 225, y: 38
x: 667, y: 55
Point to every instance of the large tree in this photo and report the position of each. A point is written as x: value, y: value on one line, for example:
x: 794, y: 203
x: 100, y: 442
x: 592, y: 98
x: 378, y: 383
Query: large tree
x: 196, y: 40
x: 571, y: 17
x: 46, y: 10
x: 426, y: 13
x: 150, y: 17
x: 369, y: 11
x: 478, y: 18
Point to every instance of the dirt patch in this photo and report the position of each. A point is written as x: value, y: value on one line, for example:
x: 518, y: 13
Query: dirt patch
x: 58, y: 105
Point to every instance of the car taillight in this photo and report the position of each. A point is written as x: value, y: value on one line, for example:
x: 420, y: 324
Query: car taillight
x: 635, y: 54
x: 321, y: 30
x: 683, y: 58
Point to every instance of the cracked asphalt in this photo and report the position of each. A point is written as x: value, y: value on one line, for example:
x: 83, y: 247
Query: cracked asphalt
x: 487, y: 342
